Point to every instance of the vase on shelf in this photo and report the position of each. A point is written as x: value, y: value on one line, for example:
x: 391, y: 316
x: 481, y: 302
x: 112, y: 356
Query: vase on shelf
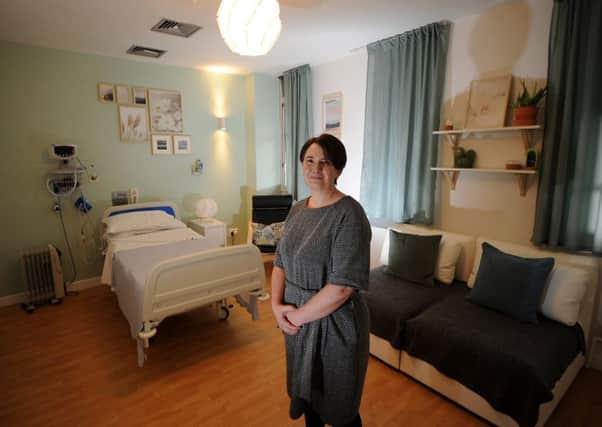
x: 524, y: 116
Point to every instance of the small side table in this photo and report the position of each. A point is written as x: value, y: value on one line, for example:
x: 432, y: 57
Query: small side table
x: 212, y: 229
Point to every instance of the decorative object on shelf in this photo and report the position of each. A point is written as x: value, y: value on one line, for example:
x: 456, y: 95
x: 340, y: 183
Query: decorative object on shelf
x: 123, y: 94
x: 449, y: 125
x: 487, y: 102
x: 249, y: 27
x: 182, y: 144
x: 524, y: 111
x: 165, y: 110
x: 106, y: 92
x: 464, y: 158
x: 513, y: 164
x: 332, y: 113
x: 161, y: 144
x: 139, y: 95
x: 133, y: 123
x: 531, y: 160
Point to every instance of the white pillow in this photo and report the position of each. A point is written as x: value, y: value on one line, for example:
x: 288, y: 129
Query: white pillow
x: 449, y: 252
x: 141, y: 222
x: 562, y: 296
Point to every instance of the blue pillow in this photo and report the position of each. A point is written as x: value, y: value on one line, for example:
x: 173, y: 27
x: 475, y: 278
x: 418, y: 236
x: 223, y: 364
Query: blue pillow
x: 510, y: 284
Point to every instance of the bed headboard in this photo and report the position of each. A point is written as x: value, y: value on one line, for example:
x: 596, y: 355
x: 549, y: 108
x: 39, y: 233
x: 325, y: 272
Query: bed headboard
x: 167, y: 207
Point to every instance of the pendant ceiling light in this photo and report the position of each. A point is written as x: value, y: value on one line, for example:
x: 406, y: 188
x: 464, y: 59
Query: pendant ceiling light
x: 249, y: 27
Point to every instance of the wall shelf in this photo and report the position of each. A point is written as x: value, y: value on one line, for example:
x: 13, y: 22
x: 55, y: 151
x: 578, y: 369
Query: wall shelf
x: 452, y: 175
x: 453, y: 136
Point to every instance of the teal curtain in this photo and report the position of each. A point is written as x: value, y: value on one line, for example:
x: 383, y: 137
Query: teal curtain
x: 569, y: 200
x: 404, y: 93
x: 296, y: 88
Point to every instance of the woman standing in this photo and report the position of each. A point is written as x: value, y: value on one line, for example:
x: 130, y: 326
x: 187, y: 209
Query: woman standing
x: 321, y: 267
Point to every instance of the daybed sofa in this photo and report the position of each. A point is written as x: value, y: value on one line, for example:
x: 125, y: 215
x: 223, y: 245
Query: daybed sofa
x: 508, y: 371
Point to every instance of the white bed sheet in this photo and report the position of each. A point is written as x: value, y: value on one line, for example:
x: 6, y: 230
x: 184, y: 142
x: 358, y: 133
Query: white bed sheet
x: 125, y: 242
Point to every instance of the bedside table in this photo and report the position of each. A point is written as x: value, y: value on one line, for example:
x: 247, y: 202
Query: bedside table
x: 212, y: 229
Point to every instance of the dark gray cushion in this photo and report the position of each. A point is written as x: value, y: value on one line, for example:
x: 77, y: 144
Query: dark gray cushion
x: 413, y: 257
x: 510, y: 284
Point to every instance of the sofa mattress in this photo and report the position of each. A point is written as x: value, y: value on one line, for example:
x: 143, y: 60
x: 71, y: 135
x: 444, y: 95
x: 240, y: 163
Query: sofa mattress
x: 513, y: 365
x: 392, y: 301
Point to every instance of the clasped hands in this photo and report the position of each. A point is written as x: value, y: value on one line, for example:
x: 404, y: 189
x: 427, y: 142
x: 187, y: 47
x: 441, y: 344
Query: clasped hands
x: 286, y: 317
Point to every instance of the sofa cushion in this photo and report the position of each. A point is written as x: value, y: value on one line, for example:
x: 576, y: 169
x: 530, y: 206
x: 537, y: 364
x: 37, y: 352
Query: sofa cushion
x: 454, y: 249
x: 510, y: 284
x: 563, y: 294
x: 413, y: 257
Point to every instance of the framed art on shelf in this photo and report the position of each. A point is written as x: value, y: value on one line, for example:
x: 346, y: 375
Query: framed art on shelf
x: 332, y: 113
x: 161, y: 144
x: 139, y: 95
x: 165, y: 110
x: 182, y: 144
x: 123, y: 94
x: 133, y: 123
x: 488, y: 102
x: 106, y: 92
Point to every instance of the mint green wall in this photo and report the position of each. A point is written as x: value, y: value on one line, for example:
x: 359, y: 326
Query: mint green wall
x: 50, y: 96
x: 267, y: 132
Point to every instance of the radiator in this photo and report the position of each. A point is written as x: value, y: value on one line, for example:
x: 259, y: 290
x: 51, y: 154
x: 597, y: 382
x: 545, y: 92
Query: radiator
x: 42, y: 276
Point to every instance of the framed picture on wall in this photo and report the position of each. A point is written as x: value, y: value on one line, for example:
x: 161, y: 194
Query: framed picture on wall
x: 488, y: 102
x: 133, y: 123
x: 139, y: 95
x: 165, y: 110
x: 161, y: 144
x: 332, y: 113
x: 123, y: 94
x: 106, y: 92
x: 182, y: 144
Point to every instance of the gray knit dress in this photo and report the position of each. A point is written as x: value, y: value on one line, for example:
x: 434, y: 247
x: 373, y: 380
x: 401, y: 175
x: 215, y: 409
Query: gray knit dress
x: 326, y: 361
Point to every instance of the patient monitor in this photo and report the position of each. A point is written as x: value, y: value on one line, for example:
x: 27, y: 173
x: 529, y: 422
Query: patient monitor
x: 63, y: 151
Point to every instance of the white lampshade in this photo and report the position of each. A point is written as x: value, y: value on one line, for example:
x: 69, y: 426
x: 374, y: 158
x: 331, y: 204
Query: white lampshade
x: 249, y: 27
x: 205, y: 208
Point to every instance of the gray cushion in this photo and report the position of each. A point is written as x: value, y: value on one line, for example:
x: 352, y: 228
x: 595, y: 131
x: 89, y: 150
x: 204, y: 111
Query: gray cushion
x: 413, y: 257
x: 510, y: 284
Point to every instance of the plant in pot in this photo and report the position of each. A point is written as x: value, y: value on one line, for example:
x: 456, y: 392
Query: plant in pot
x: 524, y: 111
x: 464, y: 158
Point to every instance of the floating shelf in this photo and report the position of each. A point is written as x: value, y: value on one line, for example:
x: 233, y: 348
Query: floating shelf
x: 452, y: 175
x: 454, y: 134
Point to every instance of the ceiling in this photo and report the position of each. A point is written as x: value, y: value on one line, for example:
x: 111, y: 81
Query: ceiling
x: 313, y: 31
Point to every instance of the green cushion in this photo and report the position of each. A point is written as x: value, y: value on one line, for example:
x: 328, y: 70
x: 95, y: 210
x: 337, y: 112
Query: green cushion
x: 413, y: 257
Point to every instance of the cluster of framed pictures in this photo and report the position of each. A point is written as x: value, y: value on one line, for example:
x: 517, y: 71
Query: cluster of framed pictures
x: 149, y: 114
x: 171, y: 144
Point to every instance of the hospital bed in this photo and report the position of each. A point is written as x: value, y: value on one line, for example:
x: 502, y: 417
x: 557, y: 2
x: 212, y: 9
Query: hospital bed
x: 161, y: 268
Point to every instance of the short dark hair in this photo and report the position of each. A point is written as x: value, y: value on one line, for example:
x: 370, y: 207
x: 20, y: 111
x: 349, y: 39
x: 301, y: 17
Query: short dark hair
x: 333, y: 149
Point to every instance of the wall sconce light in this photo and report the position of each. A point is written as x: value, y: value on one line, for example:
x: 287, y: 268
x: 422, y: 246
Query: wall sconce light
x: 221, y: 123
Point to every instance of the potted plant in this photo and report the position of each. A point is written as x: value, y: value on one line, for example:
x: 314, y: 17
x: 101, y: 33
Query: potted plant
x: 524, y: 111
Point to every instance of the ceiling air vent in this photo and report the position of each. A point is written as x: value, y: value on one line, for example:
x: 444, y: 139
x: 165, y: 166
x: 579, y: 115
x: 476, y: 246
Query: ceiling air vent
x: 175, y: 28
x: 145, y: 51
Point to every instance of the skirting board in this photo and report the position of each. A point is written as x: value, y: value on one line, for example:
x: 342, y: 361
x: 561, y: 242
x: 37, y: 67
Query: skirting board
x: 75, y: 286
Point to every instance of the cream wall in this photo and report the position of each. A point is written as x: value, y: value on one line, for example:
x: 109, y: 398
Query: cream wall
x: 347, y: 75
x: 510, y: 38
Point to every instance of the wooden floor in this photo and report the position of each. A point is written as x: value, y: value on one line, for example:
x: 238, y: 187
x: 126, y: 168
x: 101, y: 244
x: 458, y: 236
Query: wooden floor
x: 75, y: 365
